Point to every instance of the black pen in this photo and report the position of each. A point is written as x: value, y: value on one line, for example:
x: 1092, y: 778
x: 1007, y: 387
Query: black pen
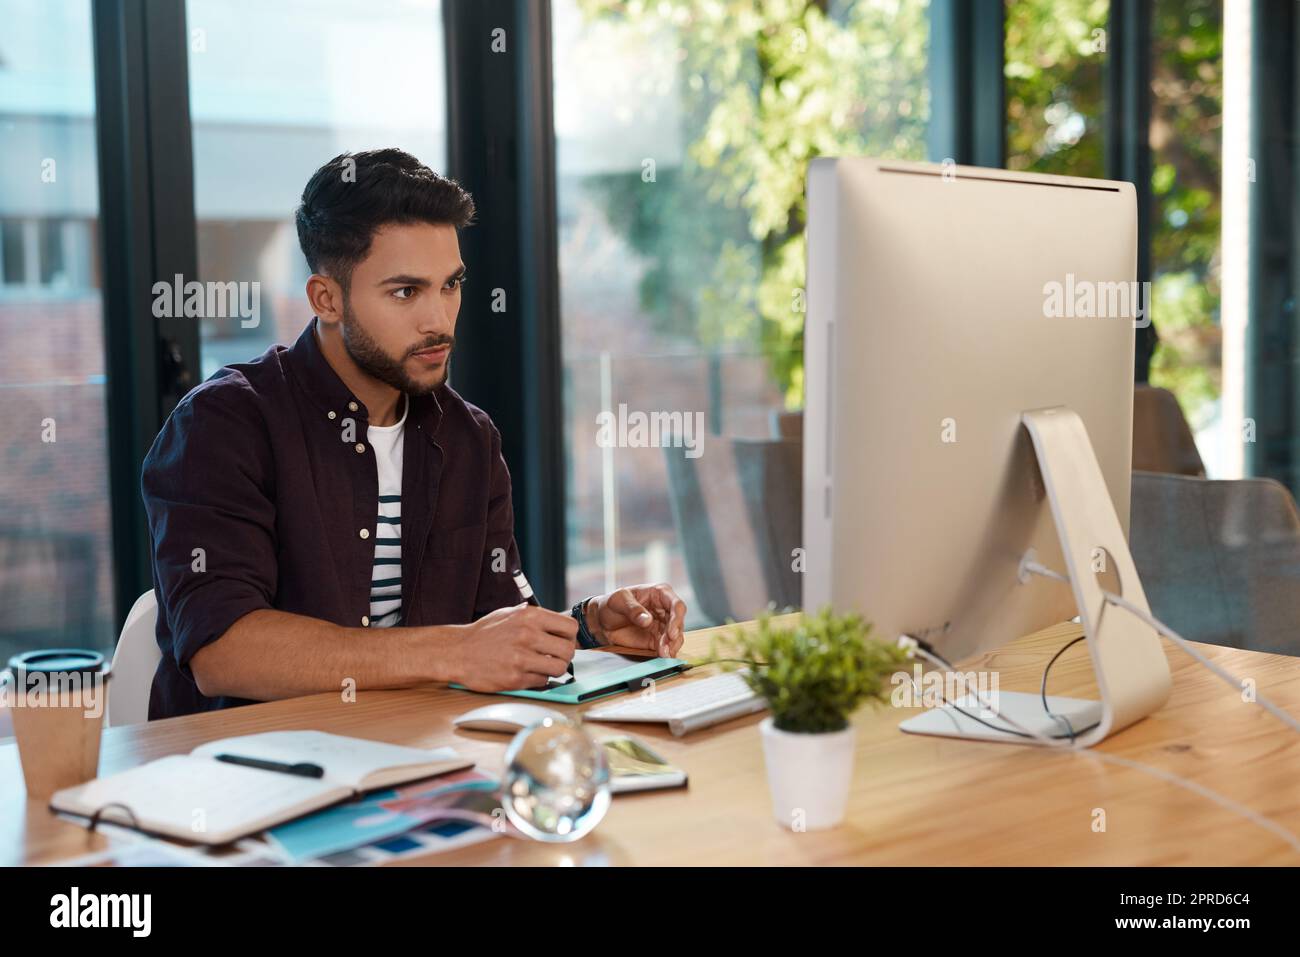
x: 526, y: 593
x: 302, y: 769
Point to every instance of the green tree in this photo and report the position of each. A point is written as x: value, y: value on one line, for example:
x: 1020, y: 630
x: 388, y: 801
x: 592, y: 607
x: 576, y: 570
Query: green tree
x: 1187, y: 150
x: 769, y: 85
x: 1054, y: 62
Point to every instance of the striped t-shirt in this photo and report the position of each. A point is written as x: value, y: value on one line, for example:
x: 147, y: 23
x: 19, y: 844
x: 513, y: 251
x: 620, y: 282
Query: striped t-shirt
x: 386, y: 574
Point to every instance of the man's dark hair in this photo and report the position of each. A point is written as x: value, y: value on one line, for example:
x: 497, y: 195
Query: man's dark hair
x: 354, y: 194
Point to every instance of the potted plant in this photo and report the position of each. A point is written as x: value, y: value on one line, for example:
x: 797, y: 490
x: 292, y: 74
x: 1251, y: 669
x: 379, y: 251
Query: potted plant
x: 813, y: 671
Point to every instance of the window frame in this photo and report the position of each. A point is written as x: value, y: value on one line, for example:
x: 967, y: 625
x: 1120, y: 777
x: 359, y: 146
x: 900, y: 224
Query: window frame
x: 147, y: 230
x: 501, y: 146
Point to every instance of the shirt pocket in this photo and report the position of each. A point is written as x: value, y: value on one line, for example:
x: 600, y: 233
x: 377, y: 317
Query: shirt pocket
x: 465, y: 543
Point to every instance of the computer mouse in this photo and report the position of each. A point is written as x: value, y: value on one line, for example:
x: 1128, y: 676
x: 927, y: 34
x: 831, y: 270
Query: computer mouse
x: 507, y: 717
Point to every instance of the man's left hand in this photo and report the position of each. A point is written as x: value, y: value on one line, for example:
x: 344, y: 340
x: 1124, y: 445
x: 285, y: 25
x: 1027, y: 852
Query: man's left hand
x: 652, y: 617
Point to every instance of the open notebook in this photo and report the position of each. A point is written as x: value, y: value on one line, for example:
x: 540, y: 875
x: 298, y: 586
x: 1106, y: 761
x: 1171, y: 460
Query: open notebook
x: 194, y: 797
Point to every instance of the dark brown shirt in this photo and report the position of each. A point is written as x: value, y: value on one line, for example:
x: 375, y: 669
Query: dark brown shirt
x: 255, y: 501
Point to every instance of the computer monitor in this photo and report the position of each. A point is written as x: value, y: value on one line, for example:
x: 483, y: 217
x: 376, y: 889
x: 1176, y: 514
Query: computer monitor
x: 944, y: 303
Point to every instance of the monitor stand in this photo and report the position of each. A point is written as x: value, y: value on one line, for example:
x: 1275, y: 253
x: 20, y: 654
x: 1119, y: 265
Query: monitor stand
x: 1127, y: 656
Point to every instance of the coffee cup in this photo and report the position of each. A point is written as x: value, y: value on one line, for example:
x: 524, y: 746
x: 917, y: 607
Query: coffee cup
x: 57, y: 698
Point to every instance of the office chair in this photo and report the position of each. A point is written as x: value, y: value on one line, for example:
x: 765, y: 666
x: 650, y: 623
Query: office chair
x: 738, y: 516
x: 1219, y: 560
x: 787, y: 425
x: 134, y: 663
x: 1162, y: 439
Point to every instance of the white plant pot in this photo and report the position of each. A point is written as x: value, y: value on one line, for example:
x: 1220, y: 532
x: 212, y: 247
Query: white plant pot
x: 808, y: 775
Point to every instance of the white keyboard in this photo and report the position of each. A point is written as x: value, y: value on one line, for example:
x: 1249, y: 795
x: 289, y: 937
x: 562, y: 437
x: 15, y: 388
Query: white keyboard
x: 686, y: 706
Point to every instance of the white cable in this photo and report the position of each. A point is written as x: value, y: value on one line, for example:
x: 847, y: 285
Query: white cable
x: 1254, y: 817
x: 935, y: 660
x: 1187, y: 646
x: 1035, y: 568
x: 1273, y: 827
x: 1267, y: 823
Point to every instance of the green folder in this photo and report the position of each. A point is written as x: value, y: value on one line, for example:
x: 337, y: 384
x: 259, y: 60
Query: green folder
x: 629, y: 676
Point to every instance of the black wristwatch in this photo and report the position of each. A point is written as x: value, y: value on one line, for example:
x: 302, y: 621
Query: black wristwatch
x: 585, y: 638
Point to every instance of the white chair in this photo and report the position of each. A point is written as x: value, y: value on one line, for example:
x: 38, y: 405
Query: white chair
x: 134, y: 664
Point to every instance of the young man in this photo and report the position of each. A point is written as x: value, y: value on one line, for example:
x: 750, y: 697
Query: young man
x: 334, y: 512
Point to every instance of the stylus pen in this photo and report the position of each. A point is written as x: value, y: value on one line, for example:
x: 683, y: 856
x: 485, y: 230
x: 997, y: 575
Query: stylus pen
x: 302, y: 769
x: 526, y: 593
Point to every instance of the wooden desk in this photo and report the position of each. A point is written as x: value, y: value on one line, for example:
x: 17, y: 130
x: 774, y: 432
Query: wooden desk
x: 915, y: 800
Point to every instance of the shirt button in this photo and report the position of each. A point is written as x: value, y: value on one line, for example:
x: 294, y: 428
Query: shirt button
x: 352, y: 406
x: 365, y: 621
x: 334, y: 415
x: 364, y: 533
x: 361, y: 446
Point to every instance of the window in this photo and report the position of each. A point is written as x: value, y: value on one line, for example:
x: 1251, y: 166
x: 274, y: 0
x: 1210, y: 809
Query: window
x: 1055, y: 60
x: 56, y: 576
x: 276, y: 90
x: 1186, y: 137
x: 683, y: 136
x: 1055, y: 90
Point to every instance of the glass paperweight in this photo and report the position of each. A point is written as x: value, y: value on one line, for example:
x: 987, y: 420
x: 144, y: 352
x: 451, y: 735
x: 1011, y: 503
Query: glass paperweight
x: 556, y: 782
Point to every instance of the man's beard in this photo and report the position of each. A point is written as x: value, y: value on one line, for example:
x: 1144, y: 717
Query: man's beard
x: 372, y: 360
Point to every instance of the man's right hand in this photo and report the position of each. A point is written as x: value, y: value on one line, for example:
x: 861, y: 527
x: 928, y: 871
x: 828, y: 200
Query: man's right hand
x: 513, y: 648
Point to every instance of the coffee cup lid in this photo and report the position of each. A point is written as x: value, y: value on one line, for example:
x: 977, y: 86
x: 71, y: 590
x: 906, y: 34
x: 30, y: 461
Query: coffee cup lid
x: 54, y: 660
